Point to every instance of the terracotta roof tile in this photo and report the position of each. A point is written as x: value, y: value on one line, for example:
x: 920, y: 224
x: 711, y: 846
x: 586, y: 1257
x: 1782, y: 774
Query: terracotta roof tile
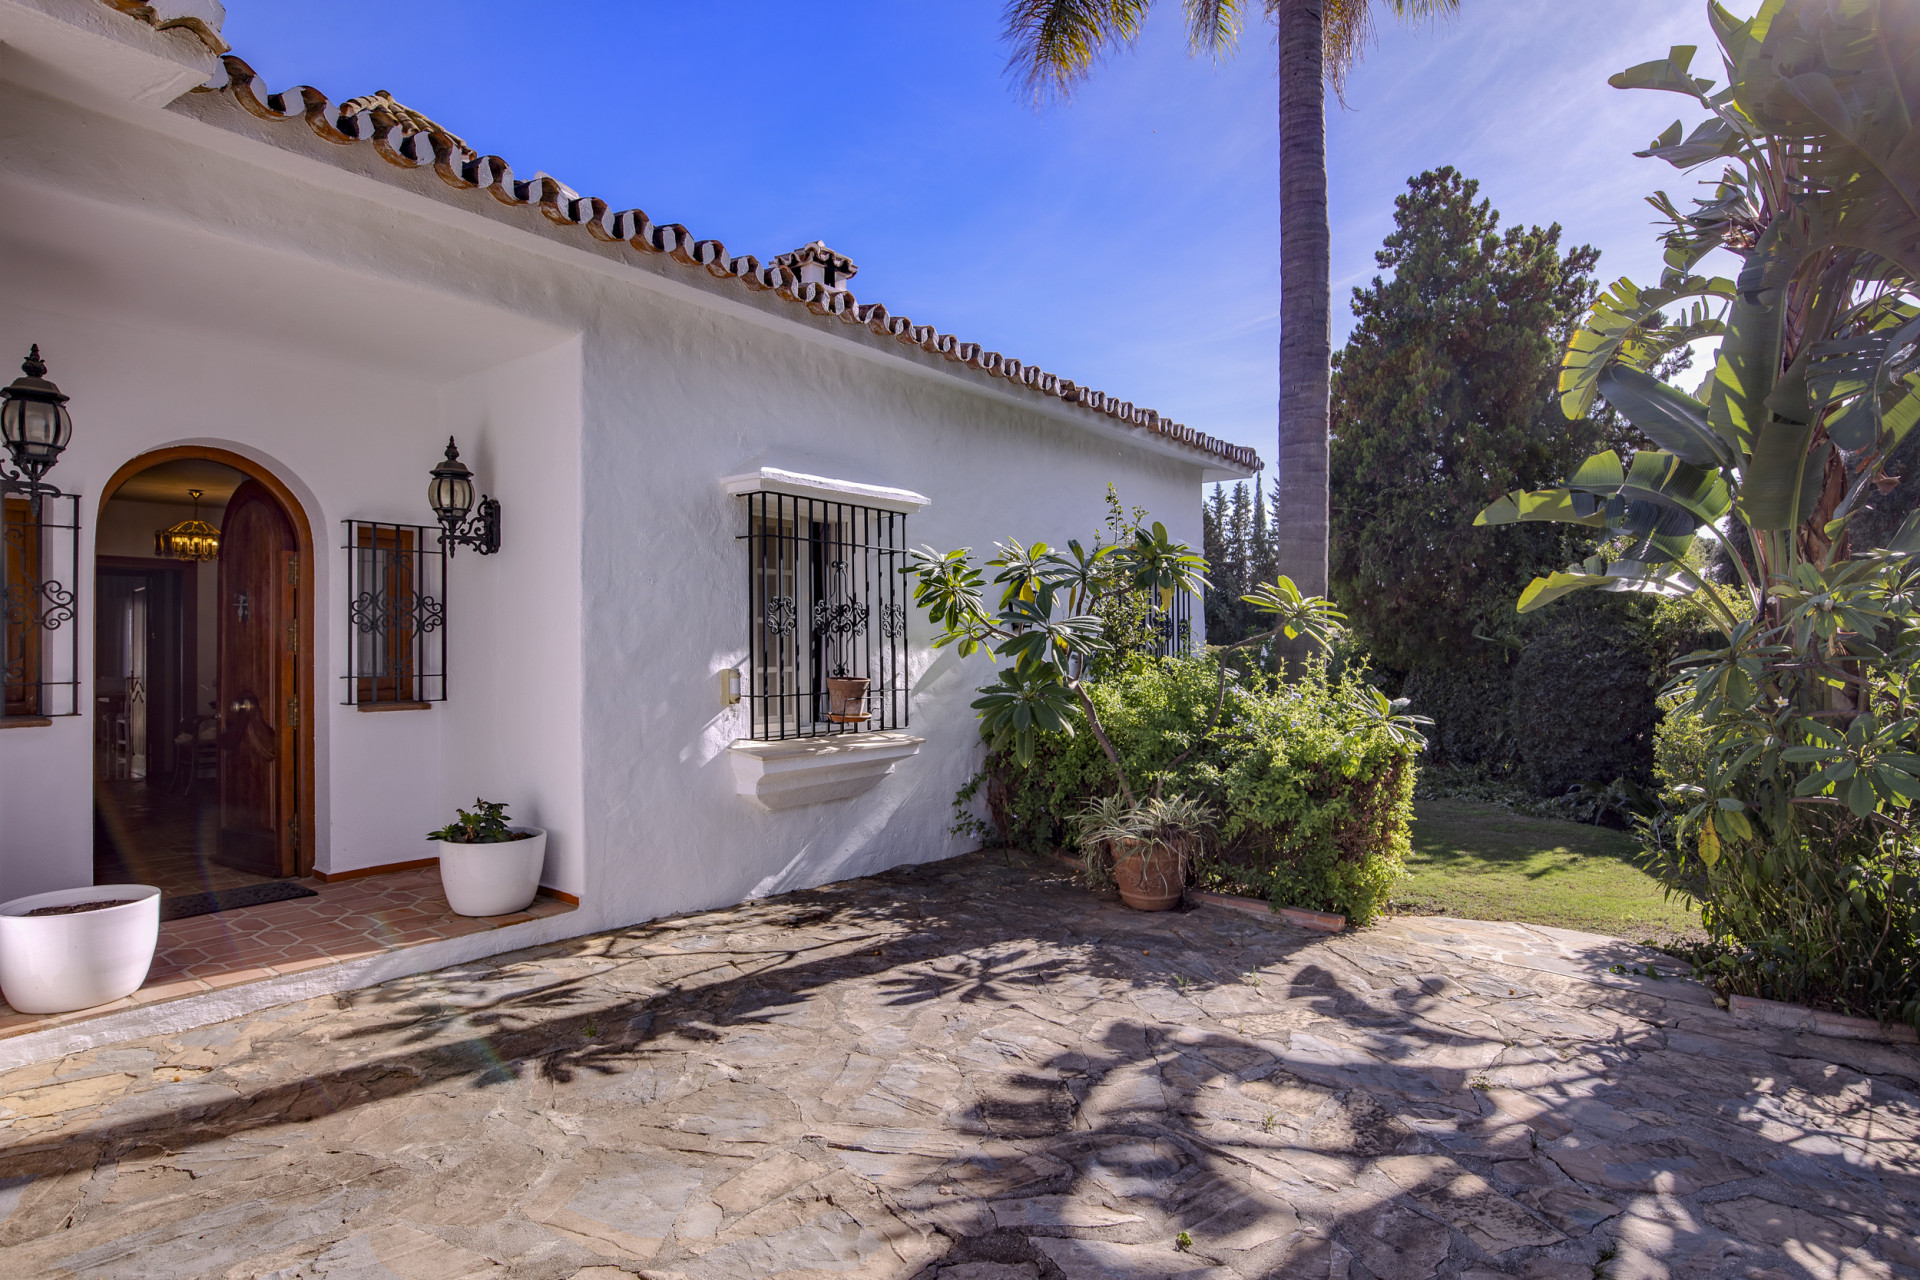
x: 410, y: 140
x: 152, y: 17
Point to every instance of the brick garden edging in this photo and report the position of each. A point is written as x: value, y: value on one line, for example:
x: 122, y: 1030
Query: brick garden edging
x: 1320, y: 921
x: 1798, y: 1017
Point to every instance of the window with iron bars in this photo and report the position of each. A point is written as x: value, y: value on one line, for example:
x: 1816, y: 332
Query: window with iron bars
x: 1175, y: 627
x: 826, y: 617
x: 39, y: 602
x: 396, y: 615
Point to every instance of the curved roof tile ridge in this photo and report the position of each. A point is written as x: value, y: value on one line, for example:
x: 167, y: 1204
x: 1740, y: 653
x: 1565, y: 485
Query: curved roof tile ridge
x: 196, y: 26
x: 393, y: 136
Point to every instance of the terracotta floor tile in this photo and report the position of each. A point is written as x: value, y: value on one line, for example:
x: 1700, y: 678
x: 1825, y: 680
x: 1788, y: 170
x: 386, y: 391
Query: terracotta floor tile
x: 238, y: 975
x: 300, y: 966
x: 346, y: 920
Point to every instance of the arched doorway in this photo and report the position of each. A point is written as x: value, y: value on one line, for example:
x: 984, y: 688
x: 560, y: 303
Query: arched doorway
x: 204, y: 682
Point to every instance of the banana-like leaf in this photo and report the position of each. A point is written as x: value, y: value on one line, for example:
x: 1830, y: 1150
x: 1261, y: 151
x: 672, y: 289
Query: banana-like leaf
x: 1597, y: 573
x: 1773, y: 473
x: 1616, y: 318
x: 1639, y: 518
x: 1875, y: 372
x: 1669, y: 73
x: 1601, y: 473
x: 1813, y: 479
x: 1673, y: 482
x: 1712, y: 139
x: 1667, y: 415
x: 1900, y: 419
x: 1562, y: 505
x: 1743, y: 374
x: 1906, y: 539
x: 1664, y: 550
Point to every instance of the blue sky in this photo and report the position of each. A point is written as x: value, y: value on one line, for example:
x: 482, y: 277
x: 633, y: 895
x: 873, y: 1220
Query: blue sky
x: 1127, y: 239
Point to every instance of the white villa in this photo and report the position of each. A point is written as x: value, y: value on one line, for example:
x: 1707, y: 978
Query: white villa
x: 271, y: 310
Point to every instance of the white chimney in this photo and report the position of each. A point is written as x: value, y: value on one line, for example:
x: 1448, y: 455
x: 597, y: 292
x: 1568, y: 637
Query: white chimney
x: 817, y: 264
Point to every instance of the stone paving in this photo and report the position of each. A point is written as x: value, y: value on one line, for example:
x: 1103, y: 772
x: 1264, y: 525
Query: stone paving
x: 979, y: 1071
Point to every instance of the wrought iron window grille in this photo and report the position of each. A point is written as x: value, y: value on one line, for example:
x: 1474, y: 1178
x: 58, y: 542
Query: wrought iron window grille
x: 396, y: 614
x: 826, y: 617
x: 39, y: 604
x: 1175, y: 625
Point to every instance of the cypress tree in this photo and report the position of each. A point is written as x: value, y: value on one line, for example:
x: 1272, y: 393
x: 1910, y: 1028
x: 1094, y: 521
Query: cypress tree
x: 1443, y: 399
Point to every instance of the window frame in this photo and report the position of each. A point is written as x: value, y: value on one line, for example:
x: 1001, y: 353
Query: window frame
x: 39, y: 676
x: 824, y: 595
x: 396, y: 627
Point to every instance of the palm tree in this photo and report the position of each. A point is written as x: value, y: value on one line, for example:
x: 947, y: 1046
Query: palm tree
x: 1055, y: 46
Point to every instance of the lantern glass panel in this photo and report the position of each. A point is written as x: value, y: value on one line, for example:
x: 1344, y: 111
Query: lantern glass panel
x: 450, y: 496
x: 36, y: 428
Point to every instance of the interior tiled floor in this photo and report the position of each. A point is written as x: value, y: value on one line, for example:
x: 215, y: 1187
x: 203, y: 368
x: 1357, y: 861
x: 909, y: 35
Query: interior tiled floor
x: 347, y: 919
x: 153, y: 835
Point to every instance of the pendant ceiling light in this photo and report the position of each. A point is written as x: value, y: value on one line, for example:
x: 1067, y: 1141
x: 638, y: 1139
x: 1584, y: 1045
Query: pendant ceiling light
x: 190, y: 539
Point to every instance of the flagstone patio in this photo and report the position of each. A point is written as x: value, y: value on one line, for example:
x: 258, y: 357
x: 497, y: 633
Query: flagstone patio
x: 976, y: 1071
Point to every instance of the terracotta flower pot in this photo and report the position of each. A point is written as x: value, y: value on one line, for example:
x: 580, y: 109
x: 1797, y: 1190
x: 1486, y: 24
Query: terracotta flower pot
x: 847, y: 699
x: 1150, y: 874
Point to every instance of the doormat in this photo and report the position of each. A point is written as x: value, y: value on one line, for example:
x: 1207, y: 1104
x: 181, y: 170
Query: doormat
x: 247, y: 895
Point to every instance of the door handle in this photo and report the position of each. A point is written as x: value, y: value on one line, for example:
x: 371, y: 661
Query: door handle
x: 243, y: 705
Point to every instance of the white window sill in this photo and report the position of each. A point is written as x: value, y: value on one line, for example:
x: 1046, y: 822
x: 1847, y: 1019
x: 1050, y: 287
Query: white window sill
x: 802, y: 771
x: 799, y: 485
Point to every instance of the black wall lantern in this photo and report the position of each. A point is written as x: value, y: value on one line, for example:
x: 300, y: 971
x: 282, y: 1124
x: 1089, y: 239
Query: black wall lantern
x: 36, y: 428
x: 450, y: 494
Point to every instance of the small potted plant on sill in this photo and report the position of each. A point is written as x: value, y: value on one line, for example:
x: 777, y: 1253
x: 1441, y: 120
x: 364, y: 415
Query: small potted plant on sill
x: 487, y: 867
x: 837, y: 619
x: 76, y: 948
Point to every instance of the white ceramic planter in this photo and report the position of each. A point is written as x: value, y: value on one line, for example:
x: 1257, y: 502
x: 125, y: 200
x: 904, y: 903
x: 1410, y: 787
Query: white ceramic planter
x: 492, y: 879
x: 56, y: 964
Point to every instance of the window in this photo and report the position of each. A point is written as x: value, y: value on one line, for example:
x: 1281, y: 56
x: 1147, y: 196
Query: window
x: 39, y: 675
x: 396, y: 615
x: 826, y: 616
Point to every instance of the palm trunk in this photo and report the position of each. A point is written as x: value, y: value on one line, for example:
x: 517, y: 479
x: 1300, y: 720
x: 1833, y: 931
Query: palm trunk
x: 1306, y: 332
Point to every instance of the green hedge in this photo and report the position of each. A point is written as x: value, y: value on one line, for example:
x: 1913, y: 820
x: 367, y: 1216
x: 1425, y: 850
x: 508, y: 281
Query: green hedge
x: 1311, y: 798
x: 1567, y: 698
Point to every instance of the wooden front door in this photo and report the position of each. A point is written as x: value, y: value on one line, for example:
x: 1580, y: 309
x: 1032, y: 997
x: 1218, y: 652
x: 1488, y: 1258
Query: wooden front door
x: 259, y: 686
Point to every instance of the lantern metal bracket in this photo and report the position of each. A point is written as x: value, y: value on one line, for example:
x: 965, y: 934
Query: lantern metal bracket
x: 451, y: 495
x: 12, y: 481
x: 481, y: 530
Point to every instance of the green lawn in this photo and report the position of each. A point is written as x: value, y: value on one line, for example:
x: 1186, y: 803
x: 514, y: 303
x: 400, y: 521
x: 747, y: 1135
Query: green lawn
x: 1482, y: 862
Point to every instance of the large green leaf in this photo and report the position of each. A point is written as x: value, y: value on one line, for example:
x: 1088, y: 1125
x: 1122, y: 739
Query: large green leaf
x: 1601, y: 473
x: 1712, y: 139
x: 1744, y: 373
x: 1597, y: 573
x: 1873, y: 375
x: 1619, y: 315
x: 1673, y: 482
x: 1669, y: 73
x: 1668, y: 416
x: 1562, y: 505
x: 1773, y: 474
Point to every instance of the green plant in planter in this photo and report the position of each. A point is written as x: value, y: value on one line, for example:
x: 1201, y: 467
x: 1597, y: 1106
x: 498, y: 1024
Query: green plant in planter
x: 485, y: 824
x: 1110, y: 822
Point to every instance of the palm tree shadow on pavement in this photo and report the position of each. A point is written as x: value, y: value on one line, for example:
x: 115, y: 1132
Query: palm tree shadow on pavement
x: 971, y: 1062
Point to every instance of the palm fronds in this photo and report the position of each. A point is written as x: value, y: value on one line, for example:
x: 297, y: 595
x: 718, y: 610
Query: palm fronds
x: 1057, y: 42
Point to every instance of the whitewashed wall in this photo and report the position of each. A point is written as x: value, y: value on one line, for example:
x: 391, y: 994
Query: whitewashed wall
x: 199, y: 276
